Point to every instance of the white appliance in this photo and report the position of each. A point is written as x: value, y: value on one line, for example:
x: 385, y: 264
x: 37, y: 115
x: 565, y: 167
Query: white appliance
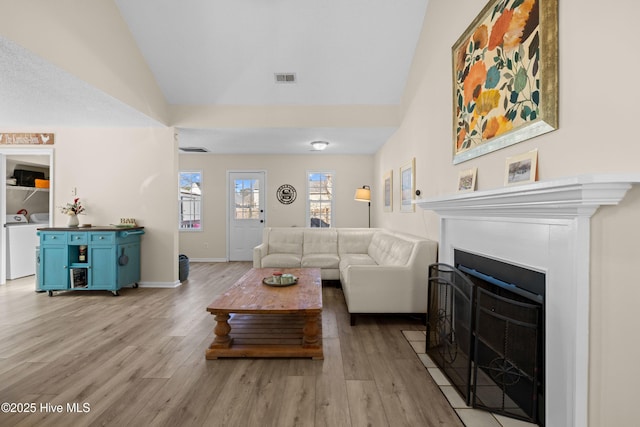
x: 21, y: 245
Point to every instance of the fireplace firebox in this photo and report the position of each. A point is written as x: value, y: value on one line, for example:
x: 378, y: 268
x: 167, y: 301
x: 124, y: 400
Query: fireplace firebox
x: 485, y: 331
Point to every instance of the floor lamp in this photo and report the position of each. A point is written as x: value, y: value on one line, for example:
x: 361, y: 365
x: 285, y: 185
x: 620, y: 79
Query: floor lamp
x: 364, y: 195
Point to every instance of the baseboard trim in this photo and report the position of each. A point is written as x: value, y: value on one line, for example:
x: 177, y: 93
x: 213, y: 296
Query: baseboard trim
x: 160, y: 284
x: 208, y: 260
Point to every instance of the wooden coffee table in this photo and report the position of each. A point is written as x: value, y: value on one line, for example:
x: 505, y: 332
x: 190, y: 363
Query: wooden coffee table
x: 257, y: 320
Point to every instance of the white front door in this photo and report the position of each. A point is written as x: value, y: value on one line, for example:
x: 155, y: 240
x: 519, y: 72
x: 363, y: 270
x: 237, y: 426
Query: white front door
x: 246, y: 213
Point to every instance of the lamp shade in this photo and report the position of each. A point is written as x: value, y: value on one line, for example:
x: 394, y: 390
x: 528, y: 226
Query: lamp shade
x: 363, y: 194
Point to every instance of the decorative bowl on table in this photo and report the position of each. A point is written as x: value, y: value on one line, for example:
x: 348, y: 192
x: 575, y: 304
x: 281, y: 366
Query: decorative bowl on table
x: 282, y: 280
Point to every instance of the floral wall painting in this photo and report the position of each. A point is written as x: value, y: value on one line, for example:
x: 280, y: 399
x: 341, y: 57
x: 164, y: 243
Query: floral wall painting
x: 388, y: 191
x: 521, y: 169
x: 505, y: 77
x: 407, y: 186
x: 467, y: 180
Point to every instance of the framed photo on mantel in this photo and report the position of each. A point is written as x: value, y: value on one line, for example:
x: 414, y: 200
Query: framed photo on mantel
x: 467, y: 180
x: 521, y: 169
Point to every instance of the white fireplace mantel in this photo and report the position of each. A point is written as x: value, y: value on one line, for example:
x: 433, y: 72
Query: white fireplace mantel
x: 544, y: 226
x: 563, y: 198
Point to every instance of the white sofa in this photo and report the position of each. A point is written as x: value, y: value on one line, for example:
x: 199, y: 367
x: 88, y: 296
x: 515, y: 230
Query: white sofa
x: 380, y: 271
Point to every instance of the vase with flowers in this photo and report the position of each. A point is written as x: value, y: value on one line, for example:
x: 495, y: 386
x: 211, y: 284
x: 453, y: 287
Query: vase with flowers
x: 73, y: 210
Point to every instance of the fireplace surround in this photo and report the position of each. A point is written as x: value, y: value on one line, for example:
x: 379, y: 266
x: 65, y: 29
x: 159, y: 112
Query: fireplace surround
x: 545, y: 227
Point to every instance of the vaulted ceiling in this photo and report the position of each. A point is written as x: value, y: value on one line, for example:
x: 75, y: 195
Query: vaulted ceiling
x: 226, y: 53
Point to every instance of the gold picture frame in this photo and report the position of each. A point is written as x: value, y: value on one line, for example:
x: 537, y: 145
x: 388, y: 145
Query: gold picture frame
x: 408, y: 186
x: 521, y: 169
x: 505, y: 77
x: 467, y: 180
x: 387, y: 189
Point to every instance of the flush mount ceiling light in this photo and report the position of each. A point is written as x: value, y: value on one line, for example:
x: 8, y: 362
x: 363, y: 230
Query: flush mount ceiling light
x: 319, y: 145
x: 194, y: 149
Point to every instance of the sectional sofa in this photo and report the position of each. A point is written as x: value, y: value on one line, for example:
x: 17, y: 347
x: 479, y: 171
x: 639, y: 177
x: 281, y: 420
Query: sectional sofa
x: 380, y: 271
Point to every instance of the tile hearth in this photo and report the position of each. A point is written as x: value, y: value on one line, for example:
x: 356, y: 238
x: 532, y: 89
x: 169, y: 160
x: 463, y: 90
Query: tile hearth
x: 470, y: 417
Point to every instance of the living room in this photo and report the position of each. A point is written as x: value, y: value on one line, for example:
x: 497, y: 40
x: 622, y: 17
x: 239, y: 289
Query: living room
x: 127, y: 171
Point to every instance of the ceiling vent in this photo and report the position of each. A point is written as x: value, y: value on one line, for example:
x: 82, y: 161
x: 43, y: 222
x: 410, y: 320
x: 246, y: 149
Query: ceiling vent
x: 285, y: 77
x: 194, y: 149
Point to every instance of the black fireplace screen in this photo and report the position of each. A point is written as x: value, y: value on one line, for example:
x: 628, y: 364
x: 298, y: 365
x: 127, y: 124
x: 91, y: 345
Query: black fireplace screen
x: 449, y: 323
x: 488, y: 345
x: 506, y: 356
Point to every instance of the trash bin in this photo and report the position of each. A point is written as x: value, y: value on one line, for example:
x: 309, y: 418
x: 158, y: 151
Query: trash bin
x: 183, y: 273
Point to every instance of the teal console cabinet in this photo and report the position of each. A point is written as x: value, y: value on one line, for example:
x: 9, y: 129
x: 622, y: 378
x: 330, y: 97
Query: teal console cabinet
x: 95, y: 258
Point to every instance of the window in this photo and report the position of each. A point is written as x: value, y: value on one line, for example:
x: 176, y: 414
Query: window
x: 320, y: 199
x: 247, y: 197
x: 190, y: 200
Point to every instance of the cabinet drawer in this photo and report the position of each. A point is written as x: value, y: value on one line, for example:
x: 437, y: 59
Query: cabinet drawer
x: 77, y: 238
x: 101, y: 238
x: 53, y: 238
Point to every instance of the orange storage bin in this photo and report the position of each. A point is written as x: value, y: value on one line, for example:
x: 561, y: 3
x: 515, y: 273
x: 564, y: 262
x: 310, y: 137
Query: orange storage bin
x: 42, y: 183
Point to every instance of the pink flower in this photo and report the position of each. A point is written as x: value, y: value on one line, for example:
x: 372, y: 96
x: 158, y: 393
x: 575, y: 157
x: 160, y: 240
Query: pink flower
x: 74, y: 208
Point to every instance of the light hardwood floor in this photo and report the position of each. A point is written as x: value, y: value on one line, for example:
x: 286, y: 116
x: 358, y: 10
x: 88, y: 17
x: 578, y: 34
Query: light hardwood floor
x: 139, y: 360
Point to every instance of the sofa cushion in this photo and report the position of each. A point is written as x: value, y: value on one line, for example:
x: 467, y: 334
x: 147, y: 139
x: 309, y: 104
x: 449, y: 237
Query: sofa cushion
x: 320, y: 261
x: 320, y: 242
x: 387, y: 249
x: 281, y: 261
x: 354, y: 241
x: 285, y: 241
x: 355, y: 259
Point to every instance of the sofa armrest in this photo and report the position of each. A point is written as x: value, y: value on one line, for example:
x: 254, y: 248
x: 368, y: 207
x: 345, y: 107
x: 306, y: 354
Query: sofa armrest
x: 259, y: 252
x: 385, y: 289
x: 387, y: 274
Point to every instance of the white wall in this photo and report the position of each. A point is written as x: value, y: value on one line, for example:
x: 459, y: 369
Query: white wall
x: 351, y: 172
x: 597, y: 99
x: 615, y: 293
x: 122, y: 173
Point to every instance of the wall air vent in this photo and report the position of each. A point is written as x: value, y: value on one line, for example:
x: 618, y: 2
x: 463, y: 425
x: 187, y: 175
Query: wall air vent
x: 285, y: 77
x: 194, y: 149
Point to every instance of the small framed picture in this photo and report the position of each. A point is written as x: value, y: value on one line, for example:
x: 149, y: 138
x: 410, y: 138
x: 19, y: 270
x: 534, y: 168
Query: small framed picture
x: 467, y: 180
x: 407, y: 186
x: 522, y: 168
x: 388, y: 191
